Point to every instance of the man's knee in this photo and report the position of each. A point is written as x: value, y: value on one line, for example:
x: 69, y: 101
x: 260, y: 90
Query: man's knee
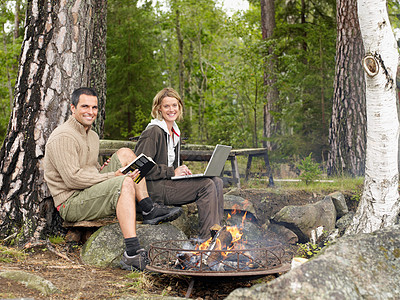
x: 128, y: 185
x: 125, y: 155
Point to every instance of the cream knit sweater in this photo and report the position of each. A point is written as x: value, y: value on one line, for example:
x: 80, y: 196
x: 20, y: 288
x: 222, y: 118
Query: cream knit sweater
x: 71, y: 160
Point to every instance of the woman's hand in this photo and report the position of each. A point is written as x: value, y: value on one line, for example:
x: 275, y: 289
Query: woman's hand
x: 182, y: 170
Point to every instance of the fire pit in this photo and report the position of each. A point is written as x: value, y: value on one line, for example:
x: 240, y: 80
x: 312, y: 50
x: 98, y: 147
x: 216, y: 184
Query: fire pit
x: 180, y: 257
x: 225, y: 255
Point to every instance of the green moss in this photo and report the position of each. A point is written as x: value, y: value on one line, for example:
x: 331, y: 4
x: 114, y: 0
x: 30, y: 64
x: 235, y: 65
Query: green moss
x: 383, y: 249
x: 361, y: 259
x: 396, y: 252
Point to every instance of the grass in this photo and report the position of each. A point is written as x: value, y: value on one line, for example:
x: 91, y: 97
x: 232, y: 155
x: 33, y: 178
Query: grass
x: 338, y: 184
x: 8, y: 254
x: 140, y: 282
x: 56, y: 239
x: 353, y: 184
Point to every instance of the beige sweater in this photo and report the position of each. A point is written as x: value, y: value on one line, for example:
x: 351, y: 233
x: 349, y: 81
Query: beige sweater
x: 71, y: 160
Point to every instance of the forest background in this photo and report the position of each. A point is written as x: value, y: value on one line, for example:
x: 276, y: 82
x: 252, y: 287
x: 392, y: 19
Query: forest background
x: 217, y: 62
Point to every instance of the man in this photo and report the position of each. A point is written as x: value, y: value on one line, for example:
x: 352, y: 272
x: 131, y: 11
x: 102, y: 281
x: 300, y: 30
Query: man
x: 83, y: 191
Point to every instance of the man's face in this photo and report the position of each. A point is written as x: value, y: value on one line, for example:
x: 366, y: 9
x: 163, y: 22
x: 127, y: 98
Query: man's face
x: 86, y: 110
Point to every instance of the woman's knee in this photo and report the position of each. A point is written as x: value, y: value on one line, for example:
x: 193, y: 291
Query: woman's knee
x: 219, y: 183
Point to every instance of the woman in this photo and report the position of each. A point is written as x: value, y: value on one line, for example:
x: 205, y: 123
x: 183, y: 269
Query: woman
x: 161, y: 141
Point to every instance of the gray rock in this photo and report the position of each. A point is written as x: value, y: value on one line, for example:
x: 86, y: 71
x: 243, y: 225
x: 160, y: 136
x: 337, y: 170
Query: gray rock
x: 105, y: 247
x: 188, y: 222
x: 149, y: 234
x: 150, y: 297
x: 232, y: 202
x: 344, y: 222
x: 303, y: 219
x: 251, y: 230
x: 31, y: 281
x: 362, y: 266
x: 340, y: 204
x: 286, y: 235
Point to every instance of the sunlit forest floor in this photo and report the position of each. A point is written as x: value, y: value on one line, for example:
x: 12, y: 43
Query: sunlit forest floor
x: 61, y: 264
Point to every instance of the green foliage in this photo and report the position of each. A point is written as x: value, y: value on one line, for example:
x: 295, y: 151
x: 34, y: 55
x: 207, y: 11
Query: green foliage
x: 9, y: 52
x: 310, y: 170
x: 394, y: 13
x: 357, y: 193
x: 305, y: 71
x: 308, y: 250
x: 140, y: 283
x: 57, y: 239
x: 134, y: 67
x: 8, y: 254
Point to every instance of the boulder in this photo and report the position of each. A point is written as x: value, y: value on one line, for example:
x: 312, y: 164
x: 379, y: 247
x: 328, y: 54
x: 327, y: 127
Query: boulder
x: 32, y: 281
x: 188, y: 222
x: 251, y: 230
x: 340, y: 204
x: 302, y: 220
x: 233, y: 202
x: 344, y: 222
x: 105, y: 247
x: 286, y: 235
x: 362, y: 266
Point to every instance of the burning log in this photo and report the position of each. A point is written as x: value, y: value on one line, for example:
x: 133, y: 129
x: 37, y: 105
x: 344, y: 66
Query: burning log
x: 223, y: 235
x: 221, y: 240
x: 224, y: 251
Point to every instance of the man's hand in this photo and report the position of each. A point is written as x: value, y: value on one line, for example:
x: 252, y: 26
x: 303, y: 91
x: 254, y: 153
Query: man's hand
x: 182, y: 170
x: 132, y: 175
x: 105, y: 164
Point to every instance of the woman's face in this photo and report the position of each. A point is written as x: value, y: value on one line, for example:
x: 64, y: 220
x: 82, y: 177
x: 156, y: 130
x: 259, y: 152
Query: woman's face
x: 169, y: 109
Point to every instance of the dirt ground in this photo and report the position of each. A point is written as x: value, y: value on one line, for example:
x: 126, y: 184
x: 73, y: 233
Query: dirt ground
x: 61, y: 265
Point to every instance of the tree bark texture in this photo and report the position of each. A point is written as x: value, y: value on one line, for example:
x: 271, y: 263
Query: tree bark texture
x: 271, y: 97
x: 58, y: 55
x: 347, y: 133
x: 380, y: 204
x: 181, y: 69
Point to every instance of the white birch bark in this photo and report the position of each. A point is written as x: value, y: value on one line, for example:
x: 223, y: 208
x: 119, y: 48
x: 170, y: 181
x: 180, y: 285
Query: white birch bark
x: 380, y: 205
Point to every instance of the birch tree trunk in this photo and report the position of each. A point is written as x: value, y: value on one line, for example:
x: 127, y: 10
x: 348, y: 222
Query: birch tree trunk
x: 379, y: 206
x: 57, y: 57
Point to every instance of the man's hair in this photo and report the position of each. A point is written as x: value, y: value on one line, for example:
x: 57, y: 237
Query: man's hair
x: 81, y: 91
x: 165, y: 92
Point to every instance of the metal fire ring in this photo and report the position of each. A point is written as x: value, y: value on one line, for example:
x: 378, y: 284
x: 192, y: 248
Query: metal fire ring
x: 165, y: 257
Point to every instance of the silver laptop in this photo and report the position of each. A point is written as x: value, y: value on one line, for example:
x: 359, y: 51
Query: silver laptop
x: 215, y: 165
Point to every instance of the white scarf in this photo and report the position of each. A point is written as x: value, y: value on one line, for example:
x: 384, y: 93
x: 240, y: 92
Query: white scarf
x: 171, y: 143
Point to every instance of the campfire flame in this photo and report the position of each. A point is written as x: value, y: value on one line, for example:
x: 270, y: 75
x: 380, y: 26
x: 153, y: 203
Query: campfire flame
x: 227, y: 250
x: 236, y: 244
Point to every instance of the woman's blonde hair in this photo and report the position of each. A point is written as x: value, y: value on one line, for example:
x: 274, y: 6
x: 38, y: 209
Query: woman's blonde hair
x: 166, y: 92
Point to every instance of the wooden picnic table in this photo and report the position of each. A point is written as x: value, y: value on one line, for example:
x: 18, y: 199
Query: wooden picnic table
x: 195, y: 152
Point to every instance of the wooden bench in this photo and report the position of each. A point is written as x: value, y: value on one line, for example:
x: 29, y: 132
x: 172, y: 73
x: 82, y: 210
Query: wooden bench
x: 194, y: 152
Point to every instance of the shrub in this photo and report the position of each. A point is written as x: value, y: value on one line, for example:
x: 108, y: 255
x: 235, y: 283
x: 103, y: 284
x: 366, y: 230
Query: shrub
x: 310, y: 170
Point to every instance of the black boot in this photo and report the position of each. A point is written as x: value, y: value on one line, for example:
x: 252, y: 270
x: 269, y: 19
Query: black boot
x: 154, y: 213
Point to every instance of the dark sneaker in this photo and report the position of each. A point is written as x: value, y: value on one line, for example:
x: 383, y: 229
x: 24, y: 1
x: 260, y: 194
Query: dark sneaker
x: 160, y: 214
x: 136, y: 262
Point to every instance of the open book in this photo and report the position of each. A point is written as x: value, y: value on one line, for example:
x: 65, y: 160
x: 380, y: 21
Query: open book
x: 143, y: 163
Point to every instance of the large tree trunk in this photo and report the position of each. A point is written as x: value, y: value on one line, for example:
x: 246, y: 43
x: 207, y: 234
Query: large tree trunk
x: 181, y: 68
x: 380, y: 205
x: 272, y: 94
x: 347, y: 134
x: 57, y: 56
